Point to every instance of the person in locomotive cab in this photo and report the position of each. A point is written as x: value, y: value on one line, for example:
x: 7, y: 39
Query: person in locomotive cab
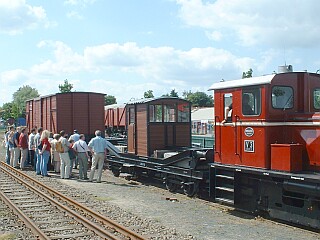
x: 228, y: 111
x: 246, y: 108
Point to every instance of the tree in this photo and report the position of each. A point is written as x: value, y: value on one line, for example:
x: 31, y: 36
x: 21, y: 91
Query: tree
x: 65, y: 87
x: 148, y: 94
x: 9, y: 110
x: 247, y: 74
x: 19, y: 100
x: 172, y: 93
x: 109, y: 99
x: 198, y: 99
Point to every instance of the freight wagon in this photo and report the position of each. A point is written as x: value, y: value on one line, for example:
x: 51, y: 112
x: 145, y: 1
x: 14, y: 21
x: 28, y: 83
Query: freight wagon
x: 115, y: 119
x: 83, y: 111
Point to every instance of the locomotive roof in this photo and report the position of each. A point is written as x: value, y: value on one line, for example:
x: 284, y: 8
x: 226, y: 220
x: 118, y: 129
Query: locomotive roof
x: 243, y: 82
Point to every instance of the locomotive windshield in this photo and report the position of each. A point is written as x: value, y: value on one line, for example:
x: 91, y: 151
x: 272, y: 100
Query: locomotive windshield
x: 282, y: 97
x: 316, y: 98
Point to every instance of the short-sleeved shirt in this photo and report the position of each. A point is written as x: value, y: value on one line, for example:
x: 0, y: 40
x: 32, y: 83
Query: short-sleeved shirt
x: 75, y: 137
x: 16, y: 136
x: 98, y: 144
x: 31, y: 141
x: 80, y: 146
x: 65, y: 144
x: 37, y: 140
x: 23, y: 141
x: 47, y: 143
x: 7, y: 138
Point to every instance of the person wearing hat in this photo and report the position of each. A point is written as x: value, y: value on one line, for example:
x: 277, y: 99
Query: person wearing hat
x: 75, y: 137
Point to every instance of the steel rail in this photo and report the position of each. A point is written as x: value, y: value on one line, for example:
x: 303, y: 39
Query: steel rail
x: 26, y: 220
x: 97, y: 216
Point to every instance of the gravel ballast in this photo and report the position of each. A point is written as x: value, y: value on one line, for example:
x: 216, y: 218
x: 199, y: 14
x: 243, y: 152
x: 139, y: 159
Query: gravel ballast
x: 159, y: 214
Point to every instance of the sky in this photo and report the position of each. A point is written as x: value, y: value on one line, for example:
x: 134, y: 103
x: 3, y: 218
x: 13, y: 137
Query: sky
x: 127, y: 47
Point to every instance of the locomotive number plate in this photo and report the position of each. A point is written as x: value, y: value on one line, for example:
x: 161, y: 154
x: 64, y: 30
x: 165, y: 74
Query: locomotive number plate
x: 248, y: 145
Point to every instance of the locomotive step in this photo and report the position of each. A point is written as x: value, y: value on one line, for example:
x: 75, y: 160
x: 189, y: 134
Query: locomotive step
x: 225, y: 176
x: 225, y: 189
x: 225, y: 200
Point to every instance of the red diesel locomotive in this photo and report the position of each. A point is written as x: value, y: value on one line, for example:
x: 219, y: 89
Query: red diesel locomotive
x: 267, y: 159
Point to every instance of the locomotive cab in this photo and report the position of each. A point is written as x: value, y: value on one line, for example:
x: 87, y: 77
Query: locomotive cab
x: 270, y: 114
x: 267, y: 156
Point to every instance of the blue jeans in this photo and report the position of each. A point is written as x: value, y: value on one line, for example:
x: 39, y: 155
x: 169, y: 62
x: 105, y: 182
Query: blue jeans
x: 44, y: 163
x: 7, y: 155
x: 38, y: 160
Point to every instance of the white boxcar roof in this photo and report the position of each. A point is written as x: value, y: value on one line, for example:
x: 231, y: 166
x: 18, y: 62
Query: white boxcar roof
x: 243, y: 82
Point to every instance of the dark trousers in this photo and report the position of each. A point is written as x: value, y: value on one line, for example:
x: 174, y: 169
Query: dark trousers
x: 31, y: 158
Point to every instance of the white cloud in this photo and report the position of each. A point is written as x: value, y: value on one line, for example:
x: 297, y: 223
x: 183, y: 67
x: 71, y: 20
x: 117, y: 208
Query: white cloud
x: 81, y: 3
x: 284, y: 23
x: 16, y: 16
x: 74, y: 15
x: 133, y: 69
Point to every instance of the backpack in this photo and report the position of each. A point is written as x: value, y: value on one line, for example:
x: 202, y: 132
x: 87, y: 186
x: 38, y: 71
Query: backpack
x: 59, y: 147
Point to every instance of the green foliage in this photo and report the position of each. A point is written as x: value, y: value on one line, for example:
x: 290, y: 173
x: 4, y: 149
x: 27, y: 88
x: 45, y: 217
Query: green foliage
x: 65, y: 87
x: 9, y: 110
x: 109, y: 99
x: 172, y: 93
x: 148, y: 94
x: 19, y: 100
x: 247, y: 74
x: 198, y: 99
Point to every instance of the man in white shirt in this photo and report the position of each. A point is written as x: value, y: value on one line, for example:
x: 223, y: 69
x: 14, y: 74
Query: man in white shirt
x: 32, y: 146
x: 81, y: 148
x: 64, y: 156
x: 75, y: 137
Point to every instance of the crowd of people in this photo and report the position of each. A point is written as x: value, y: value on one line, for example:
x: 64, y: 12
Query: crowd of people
x: 43, y: 151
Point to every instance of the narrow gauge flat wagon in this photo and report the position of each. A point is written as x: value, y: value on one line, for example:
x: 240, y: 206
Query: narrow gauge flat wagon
x: 159, y: 145
x: 267, y: 149
x: 83, y: 111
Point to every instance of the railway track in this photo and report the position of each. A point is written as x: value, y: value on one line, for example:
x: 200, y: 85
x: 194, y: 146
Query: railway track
x: 51, y: 215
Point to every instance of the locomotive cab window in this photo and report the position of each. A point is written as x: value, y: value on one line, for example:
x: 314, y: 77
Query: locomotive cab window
x: 282, y: 97
x: 251, y: 102
x: 316, y: 98
x: 169, y: 113
x: 183, y: 112
x: 131, y: 115
x: 155, y: 113
x: 227, y: 101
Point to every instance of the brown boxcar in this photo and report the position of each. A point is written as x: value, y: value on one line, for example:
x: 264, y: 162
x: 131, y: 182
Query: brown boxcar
x: 83, y: 111
x: 115, y: 118
x: 158, y: 124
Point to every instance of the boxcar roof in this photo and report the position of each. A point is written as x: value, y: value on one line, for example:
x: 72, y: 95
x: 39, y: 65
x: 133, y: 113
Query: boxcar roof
x: 113, y: 106
x: 243, y: 82
x: 148, y: 100
x: 54, y: 94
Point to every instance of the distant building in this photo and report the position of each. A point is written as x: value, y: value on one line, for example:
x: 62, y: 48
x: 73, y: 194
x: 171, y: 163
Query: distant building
x: 202, y: 121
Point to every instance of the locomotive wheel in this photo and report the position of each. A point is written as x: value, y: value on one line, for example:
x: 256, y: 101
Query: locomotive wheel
x: 170, y: 185
x: 115, y: 171
x: 191, y: 189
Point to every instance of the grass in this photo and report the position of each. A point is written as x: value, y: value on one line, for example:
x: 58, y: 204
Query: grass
x: 7, y: 236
